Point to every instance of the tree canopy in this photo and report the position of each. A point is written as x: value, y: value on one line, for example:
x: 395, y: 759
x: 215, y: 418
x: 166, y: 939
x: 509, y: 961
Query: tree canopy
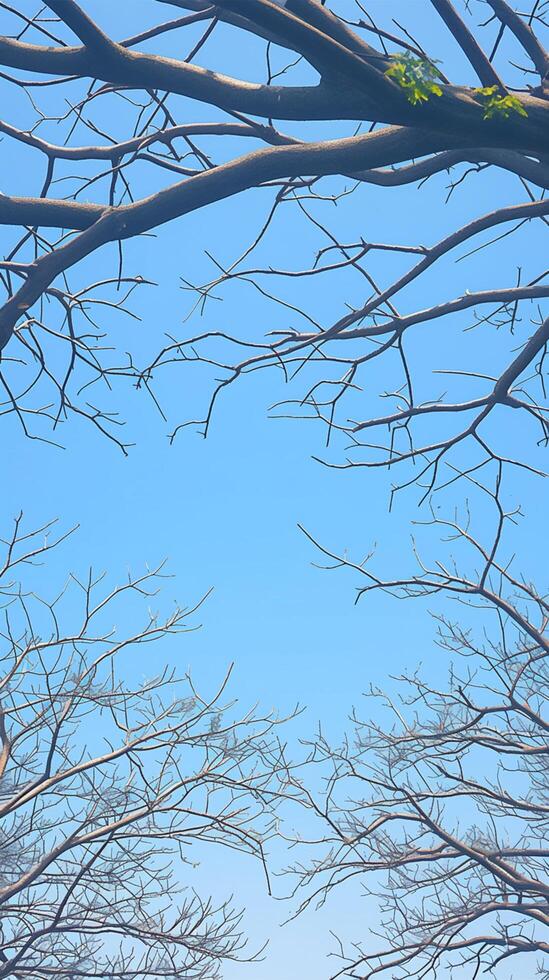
x: 419, y: 123
x: 373, y: 193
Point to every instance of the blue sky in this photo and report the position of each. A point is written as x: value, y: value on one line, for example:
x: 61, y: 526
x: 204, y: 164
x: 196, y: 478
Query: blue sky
x: 224, y: 511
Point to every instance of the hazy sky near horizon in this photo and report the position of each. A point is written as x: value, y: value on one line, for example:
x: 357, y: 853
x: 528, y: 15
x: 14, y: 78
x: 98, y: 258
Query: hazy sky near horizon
x: 224, y: 511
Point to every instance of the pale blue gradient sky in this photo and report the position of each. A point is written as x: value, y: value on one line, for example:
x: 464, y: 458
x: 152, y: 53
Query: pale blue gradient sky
x: 224, y: 511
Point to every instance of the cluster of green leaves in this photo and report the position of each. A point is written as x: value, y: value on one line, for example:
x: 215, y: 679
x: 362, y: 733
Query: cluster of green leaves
x: 420, y: 78
x: 417, y: 76
x: 499, y: 105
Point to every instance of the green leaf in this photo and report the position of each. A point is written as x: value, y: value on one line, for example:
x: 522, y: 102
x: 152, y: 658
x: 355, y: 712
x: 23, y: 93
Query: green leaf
x: 498, y: 104
x: 417, y: 76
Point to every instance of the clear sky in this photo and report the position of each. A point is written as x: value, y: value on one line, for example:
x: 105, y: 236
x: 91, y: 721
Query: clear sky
x: 224, y: 511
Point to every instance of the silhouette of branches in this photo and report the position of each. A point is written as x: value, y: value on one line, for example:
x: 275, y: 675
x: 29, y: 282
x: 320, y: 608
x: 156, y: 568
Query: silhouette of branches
x: 111, y: 777
x: 150, y: 162
x: 438, y: 804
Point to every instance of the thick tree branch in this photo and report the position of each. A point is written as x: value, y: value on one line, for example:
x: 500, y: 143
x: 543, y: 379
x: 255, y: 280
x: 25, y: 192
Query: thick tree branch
x: 468, y: 43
